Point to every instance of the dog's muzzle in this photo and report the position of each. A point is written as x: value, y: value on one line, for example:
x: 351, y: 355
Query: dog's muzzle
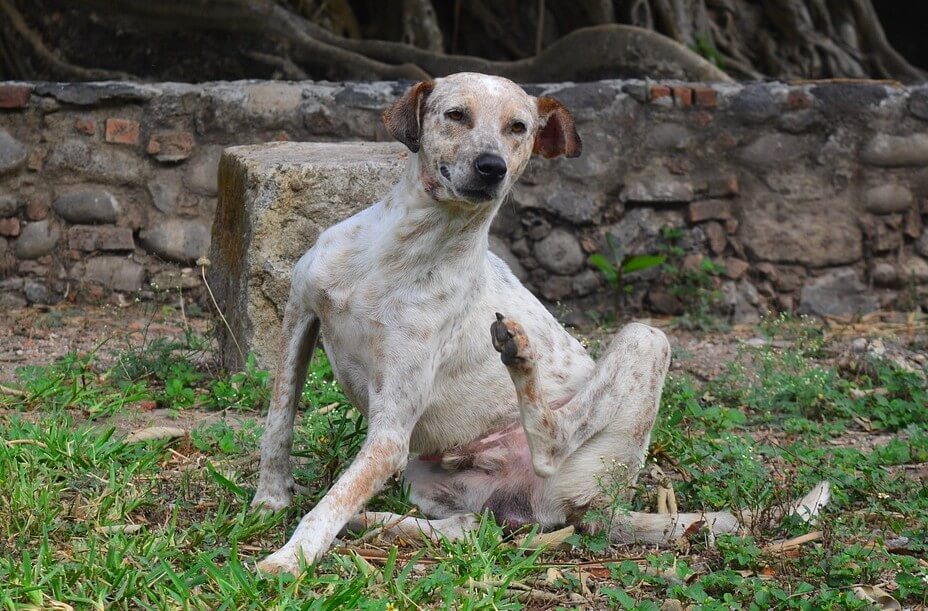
x: 490, y: 169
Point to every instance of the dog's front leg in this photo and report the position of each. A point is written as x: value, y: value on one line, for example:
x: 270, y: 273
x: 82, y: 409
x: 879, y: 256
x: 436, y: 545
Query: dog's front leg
x: 393, y: 411
x: 382, y: 454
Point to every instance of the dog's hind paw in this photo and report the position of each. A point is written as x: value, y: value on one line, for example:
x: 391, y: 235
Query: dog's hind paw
x: 510, y: 340
x: 274, y: 495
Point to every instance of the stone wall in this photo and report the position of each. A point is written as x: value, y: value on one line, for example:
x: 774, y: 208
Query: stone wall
x: 812, y: 196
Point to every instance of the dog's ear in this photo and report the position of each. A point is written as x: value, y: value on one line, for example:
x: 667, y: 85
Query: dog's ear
x: 557, y: 134
x: 404, y: 117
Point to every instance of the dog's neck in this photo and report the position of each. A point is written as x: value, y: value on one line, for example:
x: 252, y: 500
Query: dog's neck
x: 420, y: 233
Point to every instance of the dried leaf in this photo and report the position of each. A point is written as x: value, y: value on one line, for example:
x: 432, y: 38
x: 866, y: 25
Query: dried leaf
x: 552, y: 575
x: 155, y: 432
x: 876, y: 595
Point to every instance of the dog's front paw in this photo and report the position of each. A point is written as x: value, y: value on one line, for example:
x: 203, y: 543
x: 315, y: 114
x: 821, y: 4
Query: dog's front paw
x: 273, y: 496
x: 281, y: 561
x: 287, y: 559
x: 510, y: 341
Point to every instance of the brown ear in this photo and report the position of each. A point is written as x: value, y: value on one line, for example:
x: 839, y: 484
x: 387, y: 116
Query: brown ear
x: 557, y: 134
x: 404, y: 117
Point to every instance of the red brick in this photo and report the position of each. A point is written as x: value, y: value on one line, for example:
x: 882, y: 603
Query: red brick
x: 710, y: 209
x: 797, y: 100
x: 85, y: 125
x: 14, y: 96
x: 9, y: 227
x: 170, y: 146
x: 706, y: 97
x: 683, y: 96
x: 122, y: 131
x: 658, y: 92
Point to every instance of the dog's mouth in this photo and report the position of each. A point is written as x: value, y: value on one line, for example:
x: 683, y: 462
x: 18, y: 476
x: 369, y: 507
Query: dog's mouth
x: 475, y: 196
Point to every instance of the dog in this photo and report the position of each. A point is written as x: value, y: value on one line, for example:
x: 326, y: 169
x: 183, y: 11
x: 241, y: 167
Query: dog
x: 521, y: 422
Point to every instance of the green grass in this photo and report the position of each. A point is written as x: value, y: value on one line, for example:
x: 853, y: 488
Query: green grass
x: 89, y: 521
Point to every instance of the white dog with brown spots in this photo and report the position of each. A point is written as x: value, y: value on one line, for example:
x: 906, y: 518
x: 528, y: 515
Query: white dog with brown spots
x: 404, y: 293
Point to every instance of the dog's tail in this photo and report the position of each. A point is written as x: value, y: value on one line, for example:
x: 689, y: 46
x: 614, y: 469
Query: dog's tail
x: 660, y: 528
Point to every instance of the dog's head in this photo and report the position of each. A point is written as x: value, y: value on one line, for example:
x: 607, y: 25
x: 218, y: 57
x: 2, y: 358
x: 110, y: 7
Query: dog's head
x: 475, y: 134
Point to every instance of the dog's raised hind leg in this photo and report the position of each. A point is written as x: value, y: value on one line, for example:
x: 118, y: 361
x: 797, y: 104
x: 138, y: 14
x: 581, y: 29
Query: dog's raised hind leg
x: 621, y: 395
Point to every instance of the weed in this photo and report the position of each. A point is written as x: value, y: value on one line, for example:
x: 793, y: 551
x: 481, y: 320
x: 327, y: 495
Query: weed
x: 618, y: 265
x: 696, y: 287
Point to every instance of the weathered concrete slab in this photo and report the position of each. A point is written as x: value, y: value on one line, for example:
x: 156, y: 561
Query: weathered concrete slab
x: 274, y: 201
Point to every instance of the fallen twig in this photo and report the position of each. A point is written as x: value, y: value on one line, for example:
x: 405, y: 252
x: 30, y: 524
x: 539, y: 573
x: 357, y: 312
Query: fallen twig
x: 15, y: 392
x: 791, y: 544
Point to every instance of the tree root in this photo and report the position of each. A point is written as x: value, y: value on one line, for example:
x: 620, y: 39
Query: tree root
x: 782, y: 38
x: 57, y: 65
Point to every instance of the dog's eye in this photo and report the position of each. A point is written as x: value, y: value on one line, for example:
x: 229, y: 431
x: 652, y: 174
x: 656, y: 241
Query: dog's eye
x: 518, y: 127
x: 455, y: 115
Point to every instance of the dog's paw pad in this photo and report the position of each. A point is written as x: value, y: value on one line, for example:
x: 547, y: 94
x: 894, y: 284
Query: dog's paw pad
x: 510, y: 340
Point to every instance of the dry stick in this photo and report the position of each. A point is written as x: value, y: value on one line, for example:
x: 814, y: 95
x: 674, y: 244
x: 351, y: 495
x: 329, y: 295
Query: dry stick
x: 789, y: 544
x: 15, y: 392
x: 385, y: 527
x: 203, y: 262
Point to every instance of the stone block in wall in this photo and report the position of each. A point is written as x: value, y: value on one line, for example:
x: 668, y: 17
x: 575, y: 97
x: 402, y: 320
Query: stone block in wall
x: 13, y: 153
x: 818, y: 234
x: 9, y: 205
x: 36, y: 239
x: 116, y: 273
x: 100, y: 237
x: 886, y: 150
x: 274, y: 201
x: 837, y: 292
x: 888, y: 198
x: 178, y: 240
x: 87, y: 206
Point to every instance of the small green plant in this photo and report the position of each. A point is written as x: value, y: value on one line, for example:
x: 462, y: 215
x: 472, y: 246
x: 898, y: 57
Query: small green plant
x: 600, y: 518
x: 704, y: 47
x: 617, y: 265
x: 696, y: 287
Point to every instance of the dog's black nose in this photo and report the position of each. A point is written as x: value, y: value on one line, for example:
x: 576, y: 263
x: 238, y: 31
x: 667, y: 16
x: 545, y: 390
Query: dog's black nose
x: 491, y: 168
